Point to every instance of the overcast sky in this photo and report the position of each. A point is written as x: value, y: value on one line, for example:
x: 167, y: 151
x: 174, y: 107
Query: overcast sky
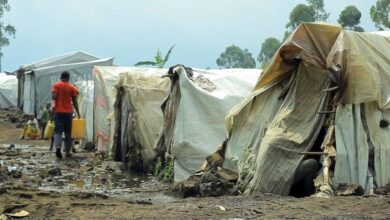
x: 131, y: 30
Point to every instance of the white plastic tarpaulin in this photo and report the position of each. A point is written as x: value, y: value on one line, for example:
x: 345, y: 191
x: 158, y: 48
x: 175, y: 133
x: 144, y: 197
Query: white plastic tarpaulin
x: 195, y: 110
x: 37, y: 83
x: 8, y: 91
x: 85, y: 102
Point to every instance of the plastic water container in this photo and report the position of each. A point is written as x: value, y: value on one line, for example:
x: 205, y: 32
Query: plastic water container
x: 78, y: 128
x: 49, y: 130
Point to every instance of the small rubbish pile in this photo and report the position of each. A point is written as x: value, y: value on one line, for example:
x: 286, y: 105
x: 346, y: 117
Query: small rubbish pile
x: 212, y: 180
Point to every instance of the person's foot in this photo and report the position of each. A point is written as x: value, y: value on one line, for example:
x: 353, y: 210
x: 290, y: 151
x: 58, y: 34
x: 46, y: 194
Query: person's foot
x: 58, y: 154
x: 21, y: 137
x: 74, y: 150
x: 68, y: 154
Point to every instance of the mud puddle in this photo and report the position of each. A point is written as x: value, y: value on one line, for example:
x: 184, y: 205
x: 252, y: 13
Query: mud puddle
x: 35, y: 167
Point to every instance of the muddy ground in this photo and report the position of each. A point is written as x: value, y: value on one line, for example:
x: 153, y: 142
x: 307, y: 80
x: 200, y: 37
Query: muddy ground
x: 86, y: 187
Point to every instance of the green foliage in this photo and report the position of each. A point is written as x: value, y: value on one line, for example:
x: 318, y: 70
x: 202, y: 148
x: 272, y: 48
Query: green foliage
x: 164, y: 170
x: 6, y: 30
x: 313, y: 11
x: 167, y: 172
x: 235, y: 57
x: 318, y: 7
x: 300, y: 13
x: 350, y: 18
x: 159, y: 61
x: 358, y: 29
x: 380, y: 14
x: 268, y: 49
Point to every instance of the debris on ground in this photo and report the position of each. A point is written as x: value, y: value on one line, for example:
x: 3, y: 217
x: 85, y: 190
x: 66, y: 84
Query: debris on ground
x: 55, y: 172
x: 350, y: 190
x: 91, y: 188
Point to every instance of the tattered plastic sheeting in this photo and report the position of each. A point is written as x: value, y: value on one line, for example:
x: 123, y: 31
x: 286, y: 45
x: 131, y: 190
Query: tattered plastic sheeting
x: 310, y: 42
x: 364, y: 59
x: 105, y: 78
x: 8, y: 91
x: 37, y: 83
x: 360, y: 139
x: 363, y: 148
x: 292, y: 131
x: 267, y: 154
x: 362, y: 145
x: 85, y: 102
x: 380, y: 138
x: 352, y: 147
x: 255, y: 119
x: 138, y: 115
x: 194, y: 113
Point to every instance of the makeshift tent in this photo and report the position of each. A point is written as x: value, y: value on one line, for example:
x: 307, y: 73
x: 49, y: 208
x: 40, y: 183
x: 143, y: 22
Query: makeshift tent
x: 8, y: 91
x: 72, y: 57
x: 272, y: 130
x: 37, y: 83
x: 194, y: 113
x: 138, y: 116
x: 361, y: 63
x: 105, y: 79
x: 85, y: 102
x: 279, y: 121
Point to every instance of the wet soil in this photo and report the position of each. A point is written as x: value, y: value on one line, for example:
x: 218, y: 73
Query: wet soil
x: 86, y: 187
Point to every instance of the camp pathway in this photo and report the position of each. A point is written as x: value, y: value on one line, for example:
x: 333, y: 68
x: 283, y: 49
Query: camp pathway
x: 86, y: 187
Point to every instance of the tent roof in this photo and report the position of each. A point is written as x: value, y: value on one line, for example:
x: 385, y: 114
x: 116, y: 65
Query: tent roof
x: 71, y: 57
x: 123, y: 69
x: 58, y: 68
x: 310, y: 42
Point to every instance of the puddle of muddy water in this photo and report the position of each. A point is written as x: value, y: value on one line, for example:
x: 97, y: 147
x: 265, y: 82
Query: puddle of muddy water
x: 123, y: 186
x: 151, y: 197
x: 105, y: 180
x: 83, y: 173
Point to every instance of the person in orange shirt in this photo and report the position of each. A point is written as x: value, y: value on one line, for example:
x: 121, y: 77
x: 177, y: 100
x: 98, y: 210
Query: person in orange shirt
x: 64, y: 97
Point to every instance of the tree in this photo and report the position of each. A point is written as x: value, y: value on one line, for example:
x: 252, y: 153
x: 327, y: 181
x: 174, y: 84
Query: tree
x: 268, y: 49
x: 319, y: 11
x: 235, y: 57
x: 300, y: 13
x: 380, y: 14
x: 6, y: 30
x: 159, y: 61
x: 350, y: 18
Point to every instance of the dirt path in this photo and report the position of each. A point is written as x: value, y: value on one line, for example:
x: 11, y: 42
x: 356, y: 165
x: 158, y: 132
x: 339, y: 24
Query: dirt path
x: 84, y: 187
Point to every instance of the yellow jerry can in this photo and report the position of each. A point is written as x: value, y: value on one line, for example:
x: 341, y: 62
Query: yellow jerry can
x: 78, y: 128
x: 49, y: 130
